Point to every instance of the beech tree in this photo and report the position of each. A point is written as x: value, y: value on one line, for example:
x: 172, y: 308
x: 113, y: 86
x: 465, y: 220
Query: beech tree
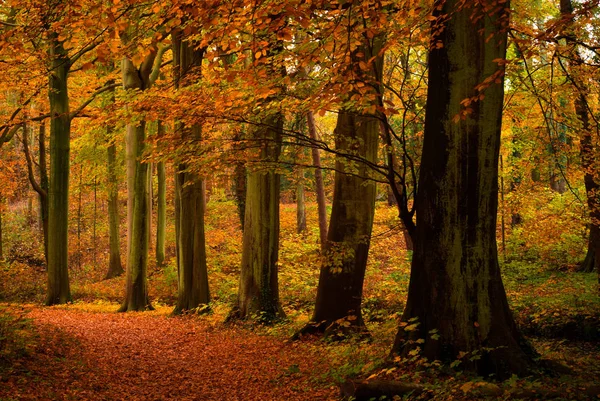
x: 193, y: 292
x: 456, y: 300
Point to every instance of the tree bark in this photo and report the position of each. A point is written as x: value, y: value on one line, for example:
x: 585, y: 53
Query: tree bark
x: 339, y: 293
x: 586, y: 147
x: 115, y: 268
x: 58, y: 291
x: 1, y: 240
x: 193, y: 291
x: 456, y: 300
x: 258, y: 293
x: 161, y: 207
x: 41, y: 186
x: 138, y: 199
x: 319, y: 186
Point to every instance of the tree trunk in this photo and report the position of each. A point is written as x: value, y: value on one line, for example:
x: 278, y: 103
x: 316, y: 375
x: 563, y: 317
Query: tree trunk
x: 300, y: 202
x: 193, y: 292
x: 161, y: 207
x: 456, y: 300
x: 138, y: 202
x: 339, y: 293
x: 1, y: 241
x: 43, y: 194
x: 319, y: 186
x: 115, y: 268
x: 258, y: 293
x: 136, y: 296
x: 161, y: 213
x: 340, y: 289
x: 586, y: 149
x: 58, y: 291
x: 240, y: 184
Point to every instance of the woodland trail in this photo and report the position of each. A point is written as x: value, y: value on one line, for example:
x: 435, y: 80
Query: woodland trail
x: 82, y: 355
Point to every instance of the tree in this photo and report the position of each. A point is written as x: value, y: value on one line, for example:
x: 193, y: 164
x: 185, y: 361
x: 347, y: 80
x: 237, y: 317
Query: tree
x: 589, y: 157
x: 40, y: 186
x: 456, y: 300
x: 339, y: 292
x: 115, y: 268
x: 161, y: 205
x: 193, y: 291
x: 58, y: 291
x: 138, y: 202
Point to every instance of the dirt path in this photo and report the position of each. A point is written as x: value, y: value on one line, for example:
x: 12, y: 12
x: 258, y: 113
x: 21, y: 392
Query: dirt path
x: 136, y: 356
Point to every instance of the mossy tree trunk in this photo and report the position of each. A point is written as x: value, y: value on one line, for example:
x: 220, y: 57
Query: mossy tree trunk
x: 339, y: 293
x: 258, y: 293
x: 138, y: 199
x: 193, y: 291
x: 456, y: 300
x: 58, y: 291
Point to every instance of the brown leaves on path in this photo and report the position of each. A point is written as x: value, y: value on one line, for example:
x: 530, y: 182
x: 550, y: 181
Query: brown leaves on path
x: 139, y: 356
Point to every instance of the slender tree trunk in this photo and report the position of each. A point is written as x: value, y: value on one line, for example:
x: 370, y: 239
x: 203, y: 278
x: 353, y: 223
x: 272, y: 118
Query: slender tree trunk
x: 300, y: 202
x: 193, y: 291
x: 115, y: 268
x: 456, y: 300
x: 41, y: 186
x: 58, y: 291
x: 161, y: 207
x: 258, y: 293
x: 43, y: 194
x: 1, y: 240
x: 588, y: 156
x: 319, y: 186
x: 161, y: 213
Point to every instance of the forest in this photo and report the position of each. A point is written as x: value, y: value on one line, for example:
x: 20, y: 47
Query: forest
x: 299, y: 199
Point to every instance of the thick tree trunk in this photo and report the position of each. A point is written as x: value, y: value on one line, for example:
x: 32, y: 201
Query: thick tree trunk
x: 136, y: 295
x: 456, y: 300
x: 258, y: 293
x: 339, y: 294
x: 193, y: 292
x: 115, y: 268
x: 58, y: 291
x: 138, y: 200
x: 319, y: 186
x: 340, y: 289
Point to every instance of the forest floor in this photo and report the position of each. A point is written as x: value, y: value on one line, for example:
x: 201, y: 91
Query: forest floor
x: 108, y: 356
x: 85, y: 351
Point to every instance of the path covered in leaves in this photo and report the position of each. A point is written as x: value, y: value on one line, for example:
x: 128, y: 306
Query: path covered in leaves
x: 141, y: 356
